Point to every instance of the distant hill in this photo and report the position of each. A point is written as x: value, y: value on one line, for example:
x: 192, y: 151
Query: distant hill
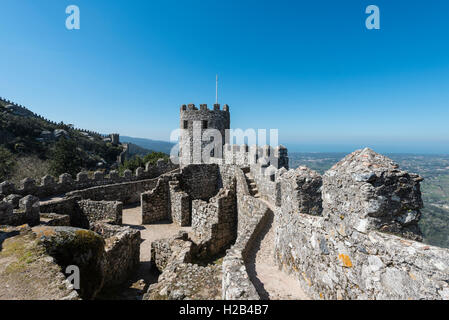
x: 27, y: 140
x: 154, y: 145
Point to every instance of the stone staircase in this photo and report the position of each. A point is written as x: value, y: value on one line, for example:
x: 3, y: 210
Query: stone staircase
x: 251, y: 183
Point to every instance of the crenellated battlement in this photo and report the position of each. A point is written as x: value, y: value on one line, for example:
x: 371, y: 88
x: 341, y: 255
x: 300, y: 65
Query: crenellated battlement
x: 247, y: 156
x: 50, y: 186
x: 204, y: 107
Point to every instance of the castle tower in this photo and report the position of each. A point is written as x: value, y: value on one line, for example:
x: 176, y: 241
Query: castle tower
x: 115, y: 138
x: 193, y: 124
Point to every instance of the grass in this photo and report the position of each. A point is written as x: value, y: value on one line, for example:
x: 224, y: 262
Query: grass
x: 23, y: 250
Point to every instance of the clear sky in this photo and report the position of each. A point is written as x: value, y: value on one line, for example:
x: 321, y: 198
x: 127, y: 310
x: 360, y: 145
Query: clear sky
x: 309, y: 68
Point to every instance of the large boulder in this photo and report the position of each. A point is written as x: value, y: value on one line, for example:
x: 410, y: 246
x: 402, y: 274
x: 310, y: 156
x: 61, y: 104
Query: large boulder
x: 368, y: 191
x: 78, y: 247
x: 27, y: 272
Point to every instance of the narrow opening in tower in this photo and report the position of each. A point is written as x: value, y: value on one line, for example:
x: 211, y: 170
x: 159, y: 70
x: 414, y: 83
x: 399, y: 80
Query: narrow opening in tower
x: 204, y: 124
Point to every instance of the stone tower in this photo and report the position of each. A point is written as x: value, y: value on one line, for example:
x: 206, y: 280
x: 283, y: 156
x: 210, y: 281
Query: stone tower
x: 115, y: 138
x: 200, y: 120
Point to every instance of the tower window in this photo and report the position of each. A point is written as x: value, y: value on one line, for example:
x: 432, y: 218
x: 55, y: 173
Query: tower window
x: 204, y: 124
x: 185, y: 124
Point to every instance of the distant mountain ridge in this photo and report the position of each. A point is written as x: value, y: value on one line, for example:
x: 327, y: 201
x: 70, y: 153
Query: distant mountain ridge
x: 154, y: 145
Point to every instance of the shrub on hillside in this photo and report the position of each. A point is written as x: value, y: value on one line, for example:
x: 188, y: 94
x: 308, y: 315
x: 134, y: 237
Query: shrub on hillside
x: 29, y: 167
x: 65, y: 158
x: 7, y: 163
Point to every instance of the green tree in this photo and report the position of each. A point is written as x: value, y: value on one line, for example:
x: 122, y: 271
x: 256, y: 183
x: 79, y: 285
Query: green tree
x: 137, y: 161
x: 7, y: 163
x: 65, y: 158
x: 154, y: 157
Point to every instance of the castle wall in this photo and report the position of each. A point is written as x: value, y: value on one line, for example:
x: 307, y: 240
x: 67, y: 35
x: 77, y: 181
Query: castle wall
x: 214, y: 222
x: 122, y: 252
x: 67, y: 206
x: 252, y: 216
x: 48, y: 185
x: 84, y: 212
x: 345, y: 254
x: 269, y: 187
x: 226, y: 176
x: 155, y: 204
x: 128, y: 192
x: 200, y: 181
x: 54, y: 219
x: 102, y: 211
x: 301, y: 191
x: 23, y: 211
x: 335, y: 264
x: 248, y: 156
x: 180, y: 205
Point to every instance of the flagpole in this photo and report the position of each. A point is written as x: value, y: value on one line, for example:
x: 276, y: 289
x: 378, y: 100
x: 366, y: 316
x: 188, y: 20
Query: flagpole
x: 216, y: 89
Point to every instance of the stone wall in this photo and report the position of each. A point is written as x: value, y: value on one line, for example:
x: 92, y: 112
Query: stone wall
x: 346, y: 254
x: 67, y: 206
x: 301, y: 191
x: 252, y: 216
x: 268, y: 185
x: 122, y: 252
x: 226, y: 176
x: 334, y: 264
x: 55, y: 220
x: 102, y: 211
x: 200, y: 181
x: 180, y: 278
x: 177, y: 249
x: 214, y: 222
x: 180, y: 205
x: 49, y: 186
x: 155, y: 204
x: 128, y: 192
x: 15, y: 211
x: 84, y: 212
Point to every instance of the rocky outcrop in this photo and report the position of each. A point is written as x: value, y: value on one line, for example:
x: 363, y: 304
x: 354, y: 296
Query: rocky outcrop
x: 78, y: 247
x: 367, y: 191
x: 27, y: 271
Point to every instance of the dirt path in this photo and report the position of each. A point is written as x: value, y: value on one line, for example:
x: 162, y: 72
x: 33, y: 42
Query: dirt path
x: 270, y: 282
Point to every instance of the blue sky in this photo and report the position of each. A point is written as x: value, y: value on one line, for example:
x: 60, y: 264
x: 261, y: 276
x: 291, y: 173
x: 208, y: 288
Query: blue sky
x: 309, y: 68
